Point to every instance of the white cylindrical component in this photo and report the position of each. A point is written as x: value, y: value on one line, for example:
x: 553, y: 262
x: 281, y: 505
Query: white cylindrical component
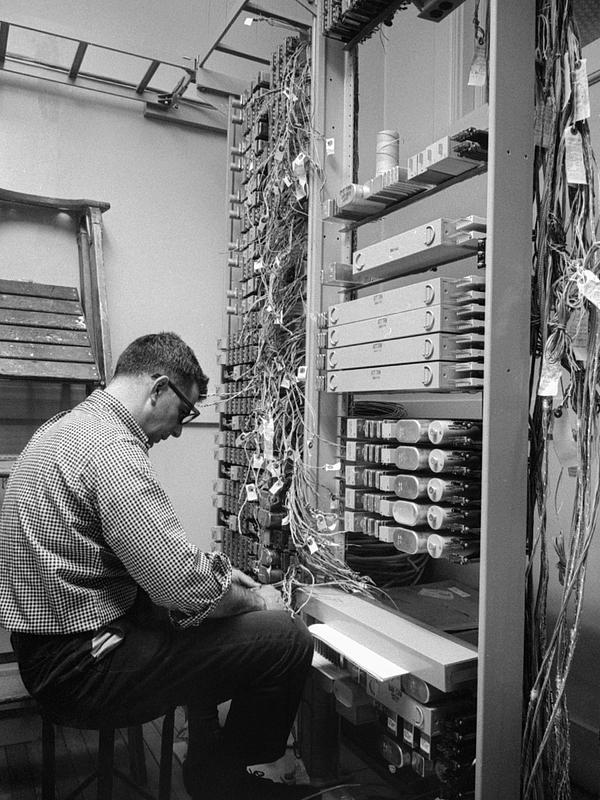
x: 396, y: 754
x: 449, y: 431
x: 439, y: 517
x: 411, y: 431
x: 387, y: 151
x: 449, y: 491
x: 411, y: 514
x: 453, y: 460
x: 410, y: 487
x: 443, y: 546
x: 412, y: 458
x: 411, y: 542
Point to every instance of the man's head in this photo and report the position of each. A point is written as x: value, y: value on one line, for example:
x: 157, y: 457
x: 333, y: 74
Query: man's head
x: 158, y: 378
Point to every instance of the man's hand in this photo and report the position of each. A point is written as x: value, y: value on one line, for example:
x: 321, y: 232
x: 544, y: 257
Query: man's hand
x: 273, y: 599
x: 239, y: 577
x: 244, y: 595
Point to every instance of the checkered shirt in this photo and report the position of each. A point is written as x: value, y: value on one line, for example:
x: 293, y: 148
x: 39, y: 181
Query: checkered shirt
x: 85, y: 522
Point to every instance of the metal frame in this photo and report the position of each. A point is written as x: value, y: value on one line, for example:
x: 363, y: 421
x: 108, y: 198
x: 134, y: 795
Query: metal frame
x: 163, y: 104
x: 505, y: 395
x: 244, y: 5
x: 506, y: 400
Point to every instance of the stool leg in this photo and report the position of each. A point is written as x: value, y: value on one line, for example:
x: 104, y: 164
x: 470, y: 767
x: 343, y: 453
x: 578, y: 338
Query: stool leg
x: 106, y: 746
x: 48, y: 760
x: 137, y: 762
x: 166, y: 756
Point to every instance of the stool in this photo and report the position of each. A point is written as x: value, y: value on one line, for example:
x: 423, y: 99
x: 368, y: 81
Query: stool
x: 105, y: 770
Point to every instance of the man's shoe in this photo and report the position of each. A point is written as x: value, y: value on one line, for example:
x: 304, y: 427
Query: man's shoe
x: 256, y: 787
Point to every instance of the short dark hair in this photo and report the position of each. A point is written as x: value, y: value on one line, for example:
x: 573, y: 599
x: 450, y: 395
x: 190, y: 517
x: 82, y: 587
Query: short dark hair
x: 166, y: 353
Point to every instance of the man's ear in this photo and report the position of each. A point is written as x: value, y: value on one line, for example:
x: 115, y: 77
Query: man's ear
x: 159, y: 386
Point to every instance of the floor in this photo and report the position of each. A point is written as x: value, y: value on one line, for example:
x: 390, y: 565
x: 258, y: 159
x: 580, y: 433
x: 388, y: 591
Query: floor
x: 20, y: 765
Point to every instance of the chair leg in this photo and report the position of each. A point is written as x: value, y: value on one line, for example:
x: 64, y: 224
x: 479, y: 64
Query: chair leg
x: 137, y: 762
x: 48, y: 760
x: 166, y: 756
x: 106, y: 745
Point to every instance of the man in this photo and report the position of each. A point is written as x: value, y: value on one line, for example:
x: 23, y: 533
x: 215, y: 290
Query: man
x: 88, y: 535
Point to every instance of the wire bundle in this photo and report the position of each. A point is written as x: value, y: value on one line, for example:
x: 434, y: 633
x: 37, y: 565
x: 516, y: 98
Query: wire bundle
x: 275, y: 324
x: 565, y: 229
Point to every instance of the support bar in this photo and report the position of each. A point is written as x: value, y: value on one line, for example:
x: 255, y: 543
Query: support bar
x: 76, y: 65
x: 228, y: 51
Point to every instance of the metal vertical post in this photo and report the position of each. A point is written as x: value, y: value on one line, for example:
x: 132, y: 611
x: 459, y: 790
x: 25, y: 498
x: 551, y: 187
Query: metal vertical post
x: 505, y: 406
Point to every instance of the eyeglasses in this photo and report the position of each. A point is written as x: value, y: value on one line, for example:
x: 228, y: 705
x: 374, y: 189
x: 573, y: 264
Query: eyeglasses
x: 190, y: 411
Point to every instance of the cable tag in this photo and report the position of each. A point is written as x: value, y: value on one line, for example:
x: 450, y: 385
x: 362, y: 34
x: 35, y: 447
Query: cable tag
x: 549, y: 377
x: 574, y: 162
x: 251, y: 493
x: 312, y: 545
x: 545, y: 120
x: 330, y: 147
x: 333, y: 467
x: 269, y: 435
x: 567, y: 80
x: 589, y: 286
x: 285, y: 382
x: 478, y: 70
x: 277, y: 486
x: 299, y: 170
x: 257, y: 461
x: 321, y: 522
x: 577, y: 331
x: 564, y: 439
x: 581, y: 98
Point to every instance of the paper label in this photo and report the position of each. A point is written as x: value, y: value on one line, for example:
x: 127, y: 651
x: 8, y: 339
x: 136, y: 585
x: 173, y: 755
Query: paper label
x: 577, y: 330
x: 478, y: 70
x: 277, y: 486
x: 545, y: 120
x: 574, y: 163
x: 564, y: 439
x: 567, y: 80
x: 589, y: 287
x: 549, y: 378
x: 581, y: 94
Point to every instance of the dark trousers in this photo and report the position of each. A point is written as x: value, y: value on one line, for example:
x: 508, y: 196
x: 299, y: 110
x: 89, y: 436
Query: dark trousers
x: 258, y: 660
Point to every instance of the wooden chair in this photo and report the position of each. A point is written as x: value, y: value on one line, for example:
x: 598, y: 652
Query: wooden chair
x: 105, y: 771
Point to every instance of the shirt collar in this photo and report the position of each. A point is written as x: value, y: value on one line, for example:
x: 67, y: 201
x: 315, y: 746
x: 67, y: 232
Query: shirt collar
x: 101, y: 400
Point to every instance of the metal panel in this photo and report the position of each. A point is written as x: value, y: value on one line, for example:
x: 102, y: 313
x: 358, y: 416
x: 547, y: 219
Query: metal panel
x: 433, y: 376
x: 439, y: 318
x: 417, y: 295
x: 413, y: 349
x: 438, y: 658
x: 504, y: 507
x: 333, y: 114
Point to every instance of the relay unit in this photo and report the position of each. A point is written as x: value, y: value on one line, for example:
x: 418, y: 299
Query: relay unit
x: 436, y: 242
x: 415, y: 483
x: 425, y: 336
